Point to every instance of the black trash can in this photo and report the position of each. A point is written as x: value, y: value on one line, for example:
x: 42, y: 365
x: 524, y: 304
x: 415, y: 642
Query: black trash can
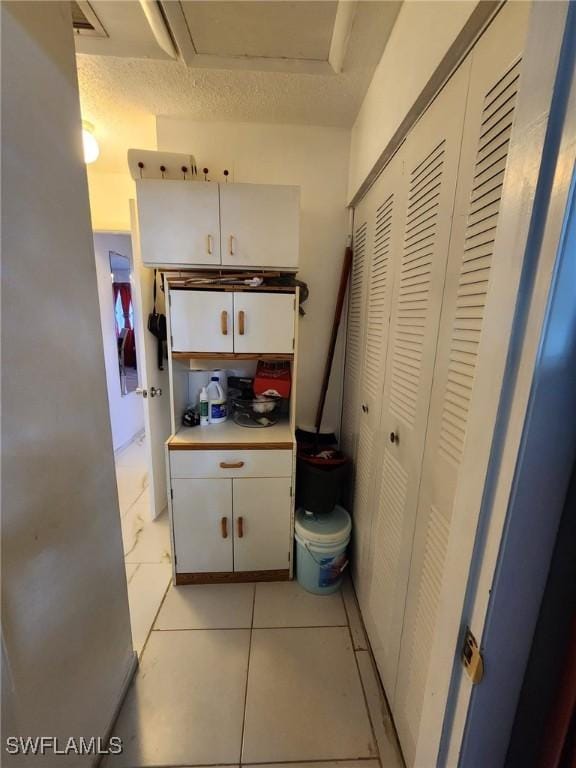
x: 320, y: 485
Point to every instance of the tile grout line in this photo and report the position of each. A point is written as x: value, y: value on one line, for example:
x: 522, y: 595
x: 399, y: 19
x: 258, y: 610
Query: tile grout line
x: 364, y: 694
x: 155, y: 618
x: 229, y: 629
x: 247, y: 677
x: 319, y: 761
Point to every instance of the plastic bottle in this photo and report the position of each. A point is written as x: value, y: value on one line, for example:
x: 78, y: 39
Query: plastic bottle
x: 217, y: 405
x: 204, y: 407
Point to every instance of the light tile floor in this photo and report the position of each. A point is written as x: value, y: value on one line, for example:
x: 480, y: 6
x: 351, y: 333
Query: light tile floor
x: 146, y: 542
x: 242, y: 674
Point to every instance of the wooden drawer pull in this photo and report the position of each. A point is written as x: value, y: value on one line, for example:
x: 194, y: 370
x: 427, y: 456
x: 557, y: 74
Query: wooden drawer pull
x: 231, y: 464
x: 240, y: 527
x: 241, y: 317
x: 224, y: 526
x: 224, y: 322
x: 231, y: 245
x: 209, y: 244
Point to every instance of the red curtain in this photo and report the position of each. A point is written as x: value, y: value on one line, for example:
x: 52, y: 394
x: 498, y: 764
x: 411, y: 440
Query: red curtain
x: 125, y: 292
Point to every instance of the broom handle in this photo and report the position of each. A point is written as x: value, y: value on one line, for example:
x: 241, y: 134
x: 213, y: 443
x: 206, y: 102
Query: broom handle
x: 346, y: 268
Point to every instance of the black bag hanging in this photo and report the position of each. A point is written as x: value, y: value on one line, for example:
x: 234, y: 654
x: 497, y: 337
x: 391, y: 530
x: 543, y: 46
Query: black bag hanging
x: 157, y: 327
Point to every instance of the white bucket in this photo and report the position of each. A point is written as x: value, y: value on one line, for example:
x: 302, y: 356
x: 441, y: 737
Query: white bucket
x: 321, y: 543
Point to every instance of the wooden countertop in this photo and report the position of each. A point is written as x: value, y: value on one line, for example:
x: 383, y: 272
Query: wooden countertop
x: 229, y: 435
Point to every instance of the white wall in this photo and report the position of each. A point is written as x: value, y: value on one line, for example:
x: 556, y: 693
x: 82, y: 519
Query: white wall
x: 316, y: 159
x: 110, y: 194
x: 65, y: 623
x: 126, y: 413
x: 421, y: 36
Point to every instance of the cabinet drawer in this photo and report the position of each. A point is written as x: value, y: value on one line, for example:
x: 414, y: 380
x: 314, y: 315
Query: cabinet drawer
x: 261, y: 463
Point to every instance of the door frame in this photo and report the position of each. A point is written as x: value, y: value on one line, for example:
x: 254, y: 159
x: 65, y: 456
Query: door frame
x: 508, y: 569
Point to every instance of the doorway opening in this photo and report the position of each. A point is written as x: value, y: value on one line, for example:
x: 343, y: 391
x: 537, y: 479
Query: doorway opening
x: 146, y: 540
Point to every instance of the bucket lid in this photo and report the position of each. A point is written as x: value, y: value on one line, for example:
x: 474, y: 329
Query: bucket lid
x: 330, y: 528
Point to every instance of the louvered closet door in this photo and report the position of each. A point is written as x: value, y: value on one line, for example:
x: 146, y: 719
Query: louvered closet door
x: 361, y: 241
x: 384, y: 210
x: 430, y: 159
x: 490, y: 113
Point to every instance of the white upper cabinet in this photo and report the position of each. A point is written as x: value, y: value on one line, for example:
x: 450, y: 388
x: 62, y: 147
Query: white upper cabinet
x: 202, y: 321
x: 197, y: 223
x: 179, y: 222
x: 260, y: 225
x: 264, y: 322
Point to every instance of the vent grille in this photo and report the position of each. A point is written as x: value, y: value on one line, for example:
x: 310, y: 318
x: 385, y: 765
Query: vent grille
x: 85, y: 21
x: 415, y: 273
x: 377, y: 323
x: 479, y: 238
x: 354, y: 339
x: 422, y: 635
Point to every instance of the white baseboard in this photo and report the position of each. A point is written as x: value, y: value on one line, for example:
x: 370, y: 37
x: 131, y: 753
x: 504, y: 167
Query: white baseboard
x: 126, y: 682
x: 137, y: 436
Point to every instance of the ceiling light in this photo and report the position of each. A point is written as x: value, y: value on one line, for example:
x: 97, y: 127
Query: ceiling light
x: 91, y: 148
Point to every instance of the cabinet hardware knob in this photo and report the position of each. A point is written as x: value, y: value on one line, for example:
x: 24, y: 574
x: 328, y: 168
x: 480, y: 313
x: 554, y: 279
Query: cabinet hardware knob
x: 231, y: 245
x: 365, y: 408
x: 209, y: 244
x: 241, y: 319
x: 240, y: 527
x: 231, y: 464
x: 140, y: 391
x: 224, y: 526
x: 394, y: 437
x: 224, y: 323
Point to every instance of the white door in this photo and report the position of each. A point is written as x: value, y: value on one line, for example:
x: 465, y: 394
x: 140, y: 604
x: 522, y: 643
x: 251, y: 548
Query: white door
x: 153, y: 382
x: 179, y: 222
x: 264, y: 322
x: 490, y: 113
x: 384, y: 213
x: 201, y: 321
x: 202, y: 519
x: 361, y: 245
x: 430, y: 156
x: 262, y: 511
x: 260, y: 225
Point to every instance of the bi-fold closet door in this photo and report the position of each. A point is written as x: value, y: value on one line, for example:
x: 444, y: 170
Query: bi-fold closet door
x: 409, y: 434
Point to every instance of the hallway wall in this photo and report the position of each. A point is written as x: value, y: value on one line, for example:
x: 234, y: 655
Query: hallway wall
x: 126, y: 412
x: 422, y: 34
x: 67, y: 647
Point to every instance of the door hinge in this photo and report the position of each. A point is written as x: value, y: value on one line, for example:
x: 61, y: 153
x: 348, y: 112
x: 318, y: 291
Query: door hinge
x: 171, y: 493
x: 171, y: 340
x: 169, y: 299
x: 293, y: 342
x: 472, y: 658
x: 291, y: 491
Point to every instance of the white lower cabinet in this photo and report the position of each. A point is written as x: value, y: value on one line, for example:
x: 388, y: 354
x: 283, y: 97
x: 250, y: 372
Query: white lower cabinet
x: 225, y: 525
x: 202, y: 520
x: 262, y: 524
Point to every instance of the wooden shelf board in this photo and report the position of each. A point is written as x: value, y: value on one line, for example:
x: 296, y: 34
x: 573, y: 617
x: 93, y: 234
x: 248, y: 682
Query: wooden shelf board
x: 231, y: 356
x: 220, y: 577
x: 230, y: 436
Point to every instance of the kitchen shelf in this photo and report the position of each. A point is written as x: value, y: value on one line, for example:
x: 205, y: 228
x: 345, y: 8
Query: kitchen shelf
x: 231, y: 356
x: 230, y: 436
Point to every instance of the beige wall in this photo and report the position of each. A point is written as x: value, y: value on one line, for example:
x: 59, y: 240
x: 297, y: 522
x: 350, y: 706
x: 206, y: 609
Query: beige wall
x: 109, y: 200
x: 66, y: 634
x: 316, y: 159
x: 421, y: 36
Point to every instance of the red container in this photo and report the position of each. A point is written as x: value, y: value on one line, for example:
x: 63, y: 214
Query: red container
x: 273, y: 379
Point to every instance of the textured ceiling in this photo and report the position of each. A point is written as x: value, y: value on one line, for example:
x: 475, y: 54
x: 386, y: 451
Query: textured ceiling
x: 120, y: 96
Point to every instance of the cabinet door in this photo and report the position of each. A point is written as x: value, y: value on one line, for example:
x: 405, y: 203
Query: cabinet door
x: 264, y: 322
x: 179, y: 222
x: 262, y: 509
x: 384, y: 204
x: 201, y: 321
x: 430, y: 156
x: 260, y: 225
x: 202, y: 522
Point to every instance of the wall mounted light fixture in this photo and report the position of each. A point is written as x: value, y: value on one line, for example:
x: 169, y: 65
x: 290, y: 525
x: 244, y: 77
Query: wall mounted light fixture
x: 91, y: 148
